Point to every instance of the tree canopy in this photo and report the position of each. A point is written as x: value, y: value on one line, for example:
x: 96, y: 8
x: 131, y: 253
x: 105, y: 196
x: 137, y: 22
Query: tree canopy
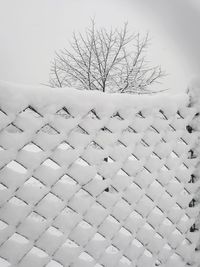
x: 107, y: 60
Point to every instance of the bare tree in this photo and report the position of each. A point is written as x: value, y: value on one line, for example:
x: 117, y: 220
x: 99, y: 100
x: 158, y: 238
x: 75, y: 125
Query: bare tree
x: 109, y: 61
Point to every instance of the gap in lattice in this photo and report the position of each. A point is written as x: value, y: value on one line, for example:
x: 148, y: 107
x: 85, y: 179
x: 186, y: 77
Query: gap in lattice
x: 109, y: 160
x: 12, y: 128
x: 129, y: 129
x: 92, y: 114
x: 19, y: 239
x: 148, y: 226
x: 79, y: 129
x: 167, y: 222
x: 49, y: 130
x: 179, y: 205
x: 162, y: 140
x: 137, y: 243
x: 16, y: 166
x: 31, y: 147
x: 122, y: 172
x: 183, y: 166
x: 174, y: 154
x: 99, y: 265
x: 139, y: 115
x: 95, y: 145
x: 86, y: 257
x: 54, y: 263
x: 148, y: 253
x: 63, y: 112
x: 112, y: 219
x: 17, y: 201
x: 54, y: 231
x: 153, y: 129
x: 38, y: 252
x: 112, y: 249
x: 2, y: 112
x: 133, y: 157
x: 171, y: 127
x: 71, y: 243
x: 30, y: 112
x: 167, y: 247
x: 85, y: 224
x: 124, y: 260
x: 165, y: 168
x: 145, y: 168
x: 3, y: 187
x: 99, y: 177
x: 83, y: 193
x: 181, y: 140
x: 34, y: 182
x: 162, y: 116
x: 99, y: 237
x: 144, y: 143
x: 178, y: 115
x: 117, y: 116
x: 120, y: 144
x: 105, y: 129
x: 50, y: 163
x: 177, y: 232
x: 155, y: 155
x: 157, y: 211
x: 111, y: 189
x: 66, y: 179
x: 82, y: 162
x: 64, y: 146
x: 38, y: 218
x: 125, y: 231
x: 3, y: 225
x: 176, y: 256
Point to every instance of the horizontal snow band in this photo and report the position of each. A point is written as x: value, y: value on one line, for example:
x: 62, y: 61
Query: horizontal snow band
x: 15, y: 98
x: 94, y: 179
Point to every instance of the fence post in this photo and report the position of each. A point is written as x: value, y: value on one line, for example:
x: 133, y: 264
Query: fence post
x: 194, y: 94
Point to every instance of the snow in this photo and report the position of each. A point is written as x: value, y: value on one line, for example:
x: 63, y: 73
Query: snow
x: 50, y: 206
x: 50, y: 100
x: 95, y: 177
x: 83, y: 173
x: 37, y: 189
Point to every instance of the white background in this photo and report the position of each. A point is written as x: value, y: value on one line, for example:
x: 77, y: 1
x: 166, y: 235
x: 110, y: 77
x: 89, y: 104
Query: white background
x: 31, y: 30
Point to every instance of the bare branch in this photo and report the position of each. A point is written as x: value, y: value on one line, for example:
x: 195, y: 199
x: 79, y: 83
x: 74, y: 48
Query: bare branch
x: 112, y: 61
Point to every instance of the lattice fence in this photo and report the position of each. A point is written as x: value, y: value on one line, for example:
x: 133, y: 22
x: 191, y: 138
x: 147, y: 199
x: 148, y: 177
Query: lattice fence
x: 84, y: 184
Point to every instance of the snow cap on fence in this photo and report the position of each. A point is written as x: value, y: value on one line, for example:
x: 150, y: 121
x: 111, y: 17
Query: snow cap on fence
x: 15, y: 98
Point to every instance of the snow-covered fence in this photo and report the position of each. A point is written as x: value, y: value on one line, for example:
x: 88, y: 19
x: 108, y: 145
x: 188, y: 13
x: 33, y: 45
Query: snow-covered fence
x: 90, y: 179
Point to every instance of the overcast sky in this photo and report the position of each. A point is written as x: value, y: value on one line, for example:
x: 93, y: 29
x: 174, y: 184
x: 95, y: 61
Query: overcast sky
x: 31, y: 31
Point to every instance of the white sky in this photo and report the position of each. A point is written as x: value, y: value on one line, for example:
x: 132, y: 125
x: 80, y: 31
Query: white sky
x: 31, y: 30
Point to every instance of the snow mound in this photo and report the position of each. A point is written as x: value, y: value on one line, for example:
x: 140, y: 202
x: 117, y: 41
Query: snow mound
x: 17, y: 97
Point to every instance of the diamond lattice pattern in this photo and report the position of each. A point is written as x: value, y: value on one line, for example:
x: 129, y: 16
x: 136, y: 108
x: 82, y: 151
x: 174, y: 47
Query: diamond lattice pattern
x: 93, y: 190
